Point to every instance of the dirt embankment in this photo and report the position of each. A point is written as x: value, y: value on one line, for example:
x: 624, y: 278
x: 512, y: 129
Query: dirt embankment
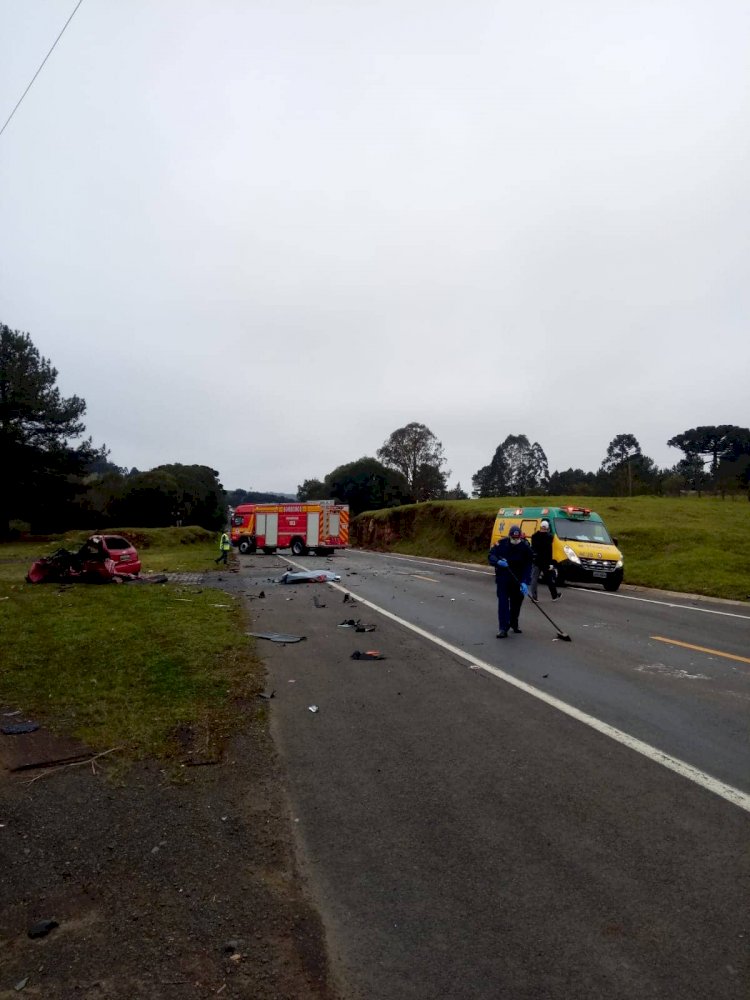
x: 462, y: 533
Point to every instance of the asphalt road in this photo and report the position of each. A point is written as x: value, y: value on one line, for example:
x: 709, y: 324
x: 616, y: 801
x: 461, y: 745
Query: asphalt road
x: 469, y: 838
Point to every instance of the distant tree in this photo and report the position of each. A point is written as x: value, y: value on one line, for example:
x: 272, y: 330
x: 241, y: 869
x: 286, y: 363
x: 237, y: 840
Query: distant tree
x: 714, y: 442
x: 42, y: 471
x: 190, y: 493
x: 733, y: 475
x: 492, y: 480
x: 235, y: 497
x: 693, y: 473
x: 418, y: 455
x: 312, y: 489
x: 620, y: 454
x: 367, y: 485
x: 572, y: 482
x: 457, y: 493
x: 517, y: 468
x: 101, y: 465
x: 148, y: 500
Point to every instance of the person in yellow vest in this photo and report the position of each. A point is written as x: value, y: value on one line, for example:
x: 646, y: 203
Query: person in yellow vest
x: 224, y: 547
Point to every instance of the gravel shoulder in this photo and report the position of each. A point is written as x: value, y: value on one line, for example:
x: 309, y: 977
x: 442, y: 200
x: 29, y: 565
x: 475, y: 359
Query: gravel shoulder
x: 165, y: 882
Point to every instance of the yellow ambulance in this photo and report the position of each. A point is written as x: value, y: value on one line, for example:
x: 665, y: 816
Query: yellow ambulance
x: 582, y: 548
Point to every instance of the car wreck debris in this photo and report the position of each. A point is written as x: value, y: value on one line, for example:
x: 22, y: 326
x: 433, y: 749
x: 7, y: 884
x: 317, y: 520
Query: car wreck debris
x: 18, y: 728
x: 309, y: 576
x: 370, y: 654
x: 42, y: 928
x: 277, y: 636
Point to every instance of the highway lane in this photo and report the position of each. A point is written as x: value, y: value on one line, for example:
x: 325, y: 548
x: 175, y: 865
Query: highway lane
x: 464, y: 839
x: 684, y: 701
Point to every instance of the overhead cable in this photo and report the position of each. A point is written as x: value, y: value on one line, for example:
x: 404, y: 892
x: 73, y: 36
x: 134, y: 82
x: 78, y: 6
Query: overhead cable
x: 40, y: 68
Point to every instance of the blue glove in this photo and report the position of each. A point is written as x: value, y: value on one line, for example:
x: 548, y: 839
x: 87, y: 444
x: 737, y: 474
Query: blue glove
x: 502, y: 562
x: 524, y: 589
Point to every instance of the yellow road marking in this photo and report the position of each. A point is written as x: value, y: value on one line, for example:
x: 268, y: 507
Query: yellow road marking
x: 428, y: 578
x: 702, y: 649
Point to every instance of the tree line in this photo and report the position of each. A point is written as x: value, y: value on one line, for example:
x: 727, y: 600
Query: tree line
x: 409, y: 468
x: 52, y: 484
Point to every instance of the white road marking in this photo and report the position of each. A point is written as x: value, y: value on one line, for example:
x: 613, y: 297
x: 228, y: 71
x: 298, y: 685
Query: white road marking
x: 668, y: 604
x: 661, y: 668
x: 681, y: 767
x: 598, y: 593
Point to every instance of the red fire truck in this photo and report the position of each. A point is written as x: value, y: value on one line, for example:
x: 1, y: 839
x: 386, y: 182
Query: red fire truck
x: 321, y: 526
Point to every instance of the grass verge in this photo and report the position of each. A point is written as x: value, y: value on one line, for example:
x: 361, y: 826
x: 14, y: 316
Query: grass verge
x: 151, y: 668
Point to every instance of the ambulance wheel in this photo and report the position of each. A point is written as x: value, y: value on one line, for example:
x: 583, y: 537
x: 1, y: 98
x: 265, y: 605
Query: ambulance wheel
x: 613, y: 582
x: 298, y: 547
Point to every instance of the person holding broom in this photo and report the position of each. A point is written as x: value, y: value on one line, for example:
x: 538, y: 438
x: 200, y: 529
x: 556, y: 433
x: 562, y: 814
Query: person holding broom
x: 511, y: 558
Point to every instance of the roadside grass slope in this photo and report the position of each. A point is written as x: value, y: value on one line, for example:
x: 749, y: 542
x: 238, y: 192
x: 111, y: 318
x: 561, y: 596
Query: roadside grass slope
x: 696, y: 545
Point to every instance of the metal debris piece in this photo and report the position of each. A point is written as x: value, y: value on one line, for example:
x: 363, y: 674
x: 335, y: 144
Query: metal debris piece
x: 348, y: 623
x: 42, y: 928
x: 364, y: 628
x: 313, y: 708
x: 266, y: 694
x: 309, y: 576
x: 370, y: 654
x: 277, y: 636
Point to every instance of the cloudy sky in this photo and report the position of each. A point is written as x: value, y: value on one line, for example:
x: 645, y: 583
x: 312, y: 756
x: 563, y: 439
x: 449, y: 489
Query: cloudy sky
x: 263, y: 235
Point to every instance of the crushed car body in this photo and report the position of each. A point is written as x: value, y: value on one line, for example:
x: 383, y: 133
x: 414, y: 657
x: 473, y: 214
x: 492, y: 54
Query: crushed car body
x: 92, y: 563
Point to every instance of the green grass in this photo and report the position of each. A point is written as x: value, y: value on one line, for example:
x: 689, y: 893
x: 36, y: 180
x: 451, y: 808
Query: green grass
x: 691, y: 544
x: 130, y: 665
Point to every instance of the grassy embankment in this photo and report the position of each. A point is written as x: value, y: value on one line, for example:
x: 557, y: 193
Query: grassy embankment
x: 130, y: 665
x: 689, y: 544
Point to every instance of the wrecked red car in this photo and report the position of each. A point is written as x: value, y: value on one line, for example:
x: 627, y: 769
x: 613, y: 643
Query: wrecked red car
x: 92, y: 563
x: 121, y: 552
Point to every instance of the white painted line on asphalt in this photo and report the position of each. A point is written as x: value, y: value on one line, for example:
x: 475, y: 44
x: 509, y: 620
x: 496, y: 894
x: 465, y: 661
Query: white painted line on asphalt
x: 667, y: 604
x: 597, y: 593
x: 694, y: 774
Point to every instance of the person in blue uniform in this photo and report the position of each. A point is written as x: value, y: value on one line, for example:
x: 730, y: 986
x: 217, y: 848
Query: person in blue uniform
x: 511, y: 558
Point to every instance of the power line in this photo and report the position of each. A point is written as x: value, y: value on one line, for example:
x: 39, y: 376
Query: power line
x: 40, y: 68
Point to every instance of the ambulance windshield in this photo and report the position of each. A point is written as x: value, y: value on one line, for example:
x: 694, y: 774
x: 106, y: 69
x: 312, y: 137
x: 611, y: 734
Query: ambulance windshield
x: 581, y: 531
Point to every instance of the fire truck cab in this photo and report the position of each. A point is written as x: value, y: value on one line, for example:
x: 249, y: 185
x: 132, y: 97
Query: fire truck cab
x: 320, y: 526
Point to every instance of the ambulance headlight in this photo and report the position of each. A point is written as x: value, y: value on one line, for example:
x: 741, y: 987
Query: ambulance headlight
x: 571, y: 554
x: 618, y: 564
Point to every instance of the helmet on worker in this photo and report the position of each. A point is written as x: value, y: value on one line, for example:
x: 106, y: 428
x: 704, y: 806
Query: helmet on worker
x: 515, y: 535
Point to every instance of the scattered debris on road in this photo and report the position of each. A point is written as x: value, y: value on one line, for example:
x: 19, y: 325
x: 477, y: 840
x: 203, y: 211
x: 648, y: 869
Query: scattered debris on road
x: 42, y: 928
x: 313, y: 708
x: 277, y: 636
x: 18, y: 728
x: 309, y: 576
x: 370, y: 654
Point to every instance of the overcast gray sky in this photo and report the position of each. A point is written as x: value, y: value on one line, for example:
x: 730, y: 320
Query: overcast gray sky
x: 263, y: 235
